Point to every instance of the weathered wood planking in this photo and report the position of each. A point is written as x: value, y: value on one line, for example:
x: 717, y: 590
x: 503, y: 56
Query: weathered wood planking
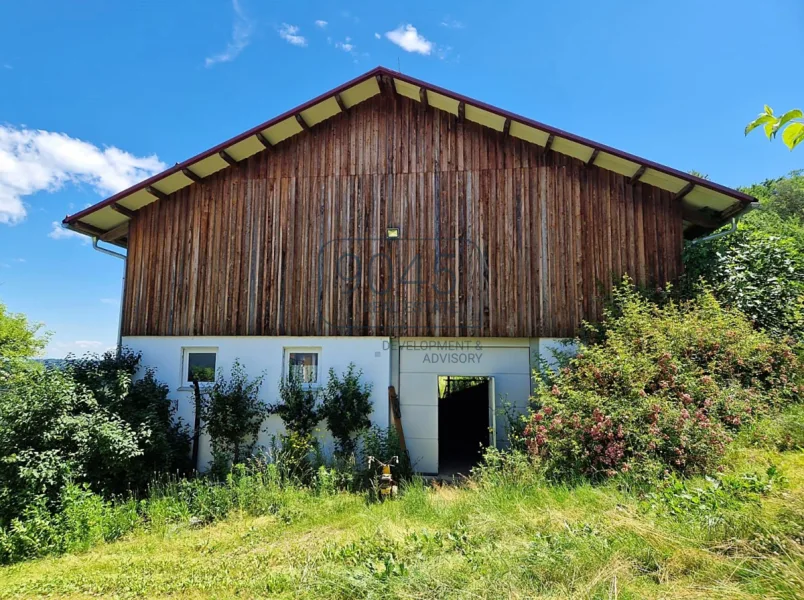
x: 500, y: 238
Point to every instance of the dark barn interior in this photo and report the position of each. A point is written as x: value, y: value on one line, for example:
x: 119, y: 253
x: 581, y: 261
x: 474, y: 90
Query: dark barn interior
x: 463, y: 422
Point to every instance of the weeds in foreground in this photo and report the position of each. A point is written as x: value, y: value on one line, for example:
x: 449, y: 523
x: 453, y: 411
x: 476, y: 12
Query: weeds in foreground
x: 499, y: 535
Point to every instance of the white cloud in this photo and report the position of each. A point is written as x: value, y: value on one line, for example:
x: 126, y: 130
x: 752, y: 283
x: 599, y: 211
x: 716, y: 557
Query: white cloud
x: 346, y: 46
x: 290, y: 33
x: 443, y: 52
x: 410, y: 40
x: 450, y: 23
x: 87, y: 344
x: 61, y: 348
x: 241, y: 36
x: 7, y: 66
x: 377, y: 35
x: 113, y: 301
x: 58, y: 232
x: 321, y: 23
x: 33, y: 160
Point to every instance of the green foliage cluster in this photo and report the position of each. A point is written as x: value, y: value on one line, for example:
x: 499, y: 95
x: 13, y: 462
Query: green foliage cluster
x: 662, y: 390
x: 88, y: 423
x: 297, y: 406
x: 20, y: 342
x: 346, y: 407
x: 264, y: 484
x: 791, y: 124
x: 143, y: 404
x: 715, y: 497
x: 233, y: 414
x: 345, y: 404
x: 19, y: 338
x: 759, y: 269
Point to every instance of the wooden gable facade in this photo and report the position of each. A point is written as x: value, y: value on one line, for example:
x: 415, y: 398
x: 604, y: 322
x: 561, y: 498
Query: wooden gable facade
x: 496, y: 236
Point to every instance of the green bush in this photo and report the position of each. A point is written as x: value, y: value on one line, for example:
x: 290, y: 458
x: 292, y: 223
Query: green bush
x: 233, y: 415
x: 89, y: 422
x: 663, y: 389
x: 297, y: 406
x: 143, y: 404
x: 346, y: 407
x: 296, y: 457
x: 19, y: 338
x: 781, y: 432
x: 759, y: 269
x: 53, y: 430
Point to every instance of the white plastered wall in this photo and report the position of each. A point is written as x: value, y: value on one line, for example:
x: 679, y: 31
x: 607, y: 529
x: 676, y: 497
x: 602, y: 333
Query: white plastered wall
x: 265, y: 355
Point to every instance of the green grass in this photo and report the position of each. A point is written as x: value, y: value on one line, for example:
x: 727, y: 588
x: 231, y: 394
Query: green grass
x: 499, y: 538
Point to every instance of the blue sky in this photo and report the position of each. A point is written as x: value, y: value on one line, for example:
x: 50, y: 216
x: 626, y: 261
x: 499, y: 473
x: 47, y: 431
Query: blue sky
x: 96, y: 94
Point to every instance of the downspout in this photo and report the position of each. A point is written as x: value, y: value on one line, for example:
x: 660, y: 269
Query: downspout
x: 122, y: 290
x: 734, y: 220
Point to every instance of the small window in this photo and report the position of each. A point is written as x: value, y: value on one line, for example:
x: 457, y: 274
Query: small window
x: 200, y: 363
x: 303, y: 364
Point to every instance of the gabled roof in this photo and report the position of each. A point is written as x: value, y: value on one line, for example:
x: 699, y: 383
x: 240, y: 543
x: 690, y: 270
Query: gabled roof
x: 707, y: 205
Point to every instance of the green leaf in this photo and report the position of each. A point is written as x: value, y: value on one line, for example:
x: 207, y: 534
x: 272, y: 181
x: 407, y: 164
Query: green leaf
x: 789, y: 116
x: 793, y: 134
x: 768, y: 110
x: 762, y: 119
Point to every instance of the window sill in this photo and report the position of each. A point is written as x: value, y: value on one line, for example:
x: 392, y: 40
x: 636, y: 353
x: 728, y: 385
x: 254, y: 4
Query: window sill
x: 190, y: 388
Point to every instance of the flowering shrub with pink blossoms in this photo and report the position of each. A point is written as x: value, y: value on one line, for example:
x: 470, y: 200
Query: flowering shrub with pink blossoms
x: 658, y: 389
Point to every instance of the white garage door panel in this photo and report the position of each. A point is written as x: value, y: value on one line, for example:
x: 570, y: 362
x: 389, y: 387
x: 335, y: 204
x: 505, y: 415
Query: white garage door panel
x: 417, y: 389
x: 420, y: 421
x: 423, y: 454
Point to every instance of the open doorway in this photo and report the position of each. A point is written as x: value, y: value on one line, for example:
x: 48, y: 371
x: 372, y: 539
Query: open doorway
x: 465, y: 421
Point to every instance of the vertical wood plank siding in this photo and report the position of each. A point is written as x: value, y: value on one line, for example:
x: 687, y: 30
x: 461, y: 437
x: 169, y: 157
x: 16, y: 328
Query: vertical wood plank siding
x: 498, y: 238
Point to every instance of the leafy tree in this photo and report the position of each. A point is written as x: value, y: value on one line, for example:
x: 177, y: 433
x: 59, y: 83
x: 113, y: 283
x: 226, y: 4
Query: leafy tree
x: 790, y: 123
x: 90, y: 422
x: 143, y: 404
x: 760, y: 268
x: 233, y: 415
x: 19, y: 340
x: 759, y: 273
x: 297, y: 406
x: 53, y: 430
x: 783, y: 196
x: 346, y: 407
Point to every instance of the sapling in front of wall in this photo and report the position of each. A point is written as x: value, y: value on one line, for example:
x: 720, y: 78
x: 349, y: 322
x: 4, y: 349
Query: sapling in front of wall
x: 346, y: 408
x: 233, y: 414
x: 297, y: 406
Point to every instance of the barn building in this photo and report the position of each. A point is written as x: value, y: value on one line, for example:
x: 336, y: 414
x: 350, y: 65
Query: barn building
x: 443, y: 245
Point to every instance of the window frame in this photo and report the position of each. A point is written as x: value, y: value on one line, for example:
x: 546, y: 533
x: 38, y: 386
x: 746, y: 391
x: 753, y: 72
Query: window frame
x: 185, y: 365
x: 288, y: 350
